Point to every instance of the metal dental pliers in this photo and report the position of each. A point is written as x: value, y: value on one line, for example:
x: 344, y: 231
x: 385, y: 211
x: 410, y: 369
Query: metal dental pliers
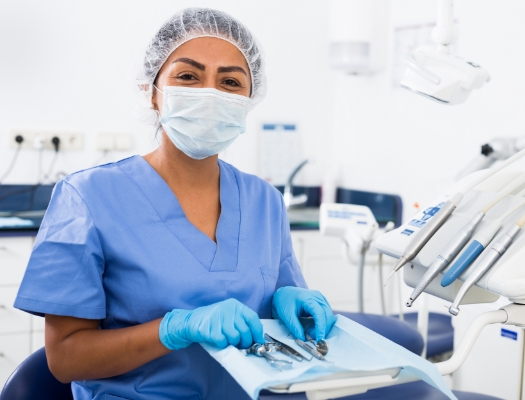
x: 261, y: 350
x: 285, y: 349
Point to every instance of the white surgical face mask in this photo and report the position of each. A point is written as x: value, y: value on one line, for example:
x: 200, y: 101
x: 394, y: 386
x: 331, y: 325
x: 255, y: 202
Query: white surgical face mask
x: 202, y: 122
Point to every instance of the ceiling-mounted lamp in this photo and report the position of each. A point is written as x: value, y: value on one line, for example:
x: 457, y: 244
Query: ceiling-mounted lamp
x: 437, y: 74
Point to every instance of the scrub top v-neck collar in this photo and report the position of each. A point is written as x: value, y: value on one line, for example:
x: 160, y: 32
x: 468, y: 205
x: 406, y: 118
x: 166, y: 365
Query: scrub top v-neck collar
x: 220, y: 256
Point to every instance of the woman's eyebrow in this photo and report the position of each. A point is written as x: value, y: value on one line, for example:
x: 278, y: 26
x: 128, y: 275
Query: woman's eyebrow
x: 191, y: 62
x: 231, y: 69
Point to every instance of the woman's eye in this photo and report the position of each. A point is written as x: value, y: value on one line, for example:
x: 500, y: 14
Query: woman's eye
x: 186, y: 77
x: 231, y: 82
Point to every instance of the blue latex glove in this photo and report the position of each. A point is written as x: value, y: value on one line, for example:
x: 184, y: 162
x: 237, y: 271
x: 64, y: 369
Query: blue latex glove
x: 289, y: 303
x: 220, y: 324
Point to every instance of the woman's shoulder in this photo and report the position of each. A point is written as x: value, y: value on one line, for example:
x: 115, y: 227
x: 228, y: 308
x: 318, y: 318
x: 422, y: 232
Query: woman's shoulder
x: 99, y: 176
x: 252, y: 183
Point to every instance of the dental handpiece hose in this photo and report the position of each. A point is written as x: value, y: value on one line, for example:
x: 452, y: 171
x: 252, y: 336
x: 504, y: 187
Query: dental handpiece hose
x: 446, y: 255
x: 431, y: 227
x: 461, y: 238
x: 487, y: 262
x: 478, y: 244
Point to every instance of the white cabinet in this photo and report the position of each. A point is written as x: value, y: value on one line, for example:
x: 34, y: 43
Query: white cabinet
x: 14, y: 348
x: 14, y: 255
x: 20, y: 333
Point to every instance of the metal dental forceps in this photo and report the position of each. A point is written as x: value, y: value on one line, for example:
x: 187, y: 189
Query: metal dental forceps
x: 262, y: 350
x: 321, y: 345
x: 285, y: 349
x: 318, y: 351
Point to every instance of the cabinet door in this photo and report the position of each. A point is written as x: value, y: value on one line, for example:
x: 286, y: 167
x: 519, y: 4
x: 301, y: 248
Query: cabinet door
x: 14, y: 256
x: 11, y: 319
x: 37, y: 340
x: 13, y: 350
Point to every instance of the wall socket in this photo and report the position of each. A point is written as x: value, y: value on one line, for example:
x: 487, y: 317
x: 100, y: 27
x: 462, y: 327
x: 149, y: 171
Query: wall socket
x: 35, y: 139
x: 114, y: 141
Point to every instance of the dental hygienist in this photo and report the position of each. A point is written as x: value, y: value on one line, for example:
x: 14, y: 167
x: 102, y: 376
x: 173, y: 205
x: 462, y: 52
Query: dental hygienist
x: 139, y: 261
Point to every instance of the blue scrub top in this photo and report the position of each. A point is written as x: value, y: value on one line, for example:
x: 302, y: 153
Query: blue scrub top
x: 115, y: 245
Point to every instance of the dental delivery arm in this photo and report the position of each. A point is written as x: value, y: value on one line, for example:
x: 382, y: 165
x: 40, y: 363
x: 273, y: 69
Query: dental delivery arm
x: 460, y: 239
x: 431, y: 227
x: 487, y: 262
x: 77, y: 349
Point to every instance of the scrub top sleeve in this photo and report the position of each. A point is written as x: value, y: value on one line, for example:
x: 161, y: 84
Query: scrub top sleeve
x: 289, y: 271
x: 64, y: 274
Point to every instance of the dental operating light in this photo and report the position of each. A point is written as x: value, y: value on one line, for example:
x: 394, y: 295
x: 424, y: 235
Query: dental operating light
x: 437, y: 74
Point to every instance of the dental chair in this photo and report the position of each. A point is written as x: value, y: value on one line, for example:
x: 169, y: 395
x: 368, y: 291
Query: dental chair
x: 440, y: 339
x: 32, y: 380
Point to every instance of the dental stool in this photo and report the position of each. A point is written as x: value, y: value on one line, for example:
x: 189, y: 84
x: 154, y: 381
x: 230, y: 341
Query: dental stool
x: 405, y: 334
x: 32, y: 380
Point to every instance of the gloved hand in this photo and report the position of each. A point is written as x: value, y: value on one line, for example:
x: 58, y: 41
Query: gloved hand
x: 220, y: 324
x: 289, y: 303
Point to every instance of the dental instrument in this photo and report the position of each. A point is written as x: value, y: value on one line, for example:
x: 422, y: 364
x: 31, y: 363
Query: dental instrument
x: 260, y: 351
x: 487, y: 262
x: 321, y: 345
x: 310, y: 349
x: 480, y: 242
x: 285, y: 349
x: 460, y: 239
x: 433, y: 225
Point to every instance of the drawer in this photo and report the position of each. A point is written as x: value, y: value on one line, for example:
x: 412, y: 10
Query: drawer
x: 37, y: 340
x: 12, y: 319
x: 313, y: 244
x: 14, y: 256
x: 13, y: 350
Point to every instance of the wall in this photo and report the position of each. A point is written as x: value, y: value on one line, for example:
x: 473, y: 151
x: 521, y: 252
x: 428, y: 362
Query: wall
x: 387, y: 139
x: 64, y: 66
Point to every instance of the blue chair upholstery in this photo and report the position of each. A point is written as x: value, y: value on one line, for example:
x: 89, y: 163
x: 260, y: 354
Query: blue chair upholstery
x: 440, y: 332
x: 397, y: 331
x: 32, y: 380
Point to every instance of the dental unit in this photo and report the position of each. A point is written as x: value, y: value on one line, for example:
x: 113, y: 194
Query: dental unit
x: 435, y: 223
x: 455, y: 245
x: 484, y: 264
x: 478, y: 244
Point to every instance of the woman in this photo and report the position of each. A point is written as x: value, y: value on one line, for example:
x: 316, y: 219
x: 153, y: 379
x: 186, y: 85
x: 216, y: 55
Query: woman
x: 139, y: 261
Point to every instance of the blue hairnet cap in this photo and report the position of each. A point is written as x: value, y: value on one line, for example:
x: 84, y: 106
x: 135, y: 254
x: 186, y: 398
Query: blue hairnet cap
x: 191, y: 23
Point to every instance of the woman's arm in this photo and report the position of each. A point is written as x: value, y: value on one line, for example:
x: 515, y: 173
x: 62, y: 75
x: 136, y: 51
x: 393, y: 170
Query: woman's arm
x: 77, y: 349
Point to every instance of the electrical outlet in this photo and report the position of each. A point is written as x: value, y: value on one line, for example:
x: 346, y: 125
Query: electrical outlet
x: 114, y: 141
x: 33, y: 140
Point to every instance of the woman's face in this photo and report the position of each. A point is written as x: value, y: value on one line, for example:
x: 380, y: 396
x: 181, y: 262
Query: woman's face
x: 204, y: 63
